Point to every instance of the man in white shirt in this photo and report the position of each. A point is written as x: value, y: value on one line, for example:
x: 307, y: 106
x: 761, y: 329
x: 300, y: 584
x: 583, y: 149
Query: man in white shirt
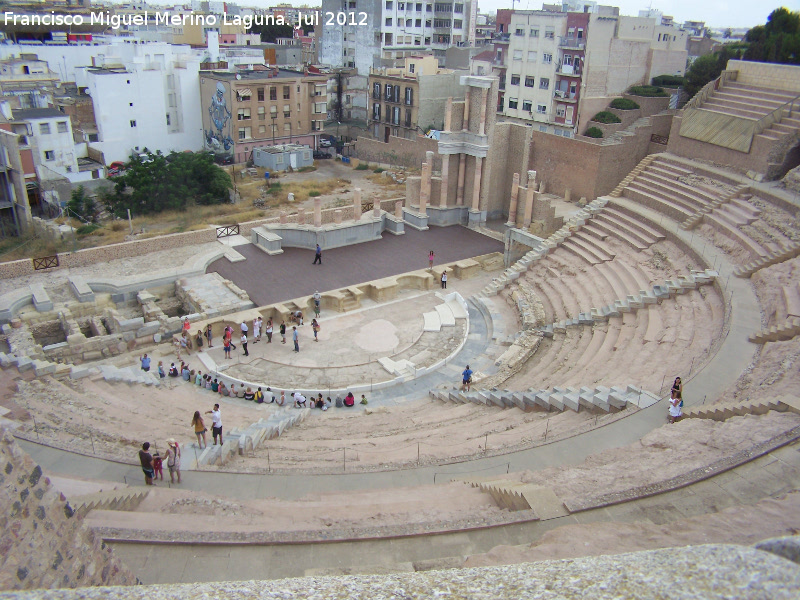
x: 216, y: 423
x: 256, y: 330
x: 299, y: 400
x: 244, y: 326
x: 244, y: 343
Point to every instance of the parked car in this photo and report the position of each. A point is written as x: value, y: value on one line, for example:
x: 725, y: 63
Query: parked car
x: 116, y: 168
x: 321, y: 155
x: 223, y: 159
x: 324, y: 143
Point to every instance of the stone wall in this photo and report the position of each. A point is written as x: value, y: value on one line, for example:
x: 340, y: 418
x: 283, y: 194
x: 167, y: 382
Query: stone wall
x: 43, y: 544
x: 399, y: 151
x: 768, y: 75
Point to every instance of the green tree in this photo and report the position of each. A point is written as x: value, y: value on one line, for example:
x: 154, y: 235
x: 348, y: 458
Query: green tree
x: 81, y: 206
x: 778, y: 41
x: 152, y: 183
x: 708, y: 68
x: 271, y: 33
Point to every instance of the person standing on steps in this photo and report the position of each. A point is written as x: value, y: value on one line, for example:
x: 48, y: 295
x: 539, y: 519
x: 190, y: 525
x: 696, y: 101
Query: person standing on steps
x: 444, y: 279
x: 431, y: 256
x: 296, y: 339
x: 146, y: 460
x: 244, y: 343
x: 216, y: 423
x: 283, y: 332
x: 145, y: 363
x: 209, y: 336
x: 466, y: 378
x: 268, y: 330
x: 173, y: 456
x: 317, y: 256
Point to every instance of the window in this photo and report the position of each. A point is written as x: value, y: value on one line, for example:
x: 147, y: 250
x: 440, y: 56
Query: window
x: 396, y: 115
x: 441, y: 22
x: 571, y: 32
x: 418, y: 23
x: 409, y: 22
x: 389, y: 5
x: 388, y: 21
x: 287, y: 126
x: 376, y: 112
x: 409, y: 96
x: 512, y: 103
x: 262, y: 129
x: 418, y: 7
x: 44, y: 128
x: 561, y: 110
x: 519, y: 32
x: 527, y: 105
x: 376, y: 91
x: 260, y: 94
x: 93, y: 137
x: 457, y: 24
x: 273, y: 111
x: 411, y: 67
x: 580, y: 34
x: 388, y: 39
x: 541, y: 109
x: 534, y: 33
x: 245, y: 133
x: 549, y: 33
x: 49, y: 155
x: 547, y: 58
x: 287, y: 92
x: 517, y: 55
x: 243, y: 95
x: 133, y: 122
x: 261, y: 113
x: 243, y: 114
x: 401, y: 6
x: 544, y: 83
x: 515, y: 80
x: 459, y: 8
x: 532, y: 56
x: 273, y: 93
x: 408, y: 117
x: 168, y: 120
x: 287, y: 111
x: 529, y: 82
x: 62, y: 126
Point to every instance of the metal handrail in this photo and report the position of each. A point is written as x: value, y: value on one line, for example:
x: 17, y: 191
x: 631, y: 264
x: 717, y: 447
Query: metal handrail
x: 775, y: 116
x: 710, y: 88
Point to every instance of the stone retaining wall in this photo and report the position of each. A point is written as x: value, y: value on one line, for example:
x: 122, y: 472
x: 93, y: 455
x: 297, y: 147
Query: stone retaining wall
x: 44, y: 544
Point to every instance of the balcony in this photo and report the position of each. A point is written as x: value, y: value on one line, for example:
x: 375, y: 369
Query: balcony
x: 572, y: 43
x: 568, y: 70
x: 563, y: 96
x: 501, y: 38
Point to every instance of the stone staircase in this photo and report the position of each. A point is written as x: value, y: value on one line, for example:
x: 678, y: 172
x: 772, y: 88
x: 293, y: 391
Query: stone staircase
x: 747, y: 213
x: 633, y: 302
x: 516, y: 495
x: 243, y: 441
x: 598, y: 398
x: 444, y: 315
x: 784, y: 331
x: 725, y: 410
x: 43, y: 367
x: 768, y: 260
x: 122, y: 499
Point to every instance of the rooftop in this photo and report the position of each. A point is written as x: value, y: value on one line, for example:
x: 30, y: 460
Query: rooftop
x: 36, y: 113
x: 258, y: 75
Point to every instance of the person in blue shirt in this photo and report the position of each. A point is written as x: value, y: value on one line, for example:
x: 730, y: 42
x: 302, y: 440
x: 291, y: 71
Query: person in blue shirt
x: 145, y: 363
x: 317, y: 256
x: 466, y: 378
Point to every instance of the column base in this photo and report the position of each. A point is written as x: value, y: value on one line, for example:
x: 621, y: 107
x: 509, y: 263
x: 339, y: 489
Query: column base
x: 477, y: 218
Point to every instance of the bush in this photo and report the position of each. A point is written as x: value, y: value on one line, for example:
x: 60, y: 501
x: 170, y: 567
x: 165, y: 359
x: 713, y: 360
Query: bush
x: 594, y: 132
x: 87, y: 229
x: 378, y: 170
x: 624, y: 104
x: 668, y: 80
x: 362, y: 167
x: 606, y: 117
x: 313, y: 194
x: 275, y: 188
x: 647, y: 91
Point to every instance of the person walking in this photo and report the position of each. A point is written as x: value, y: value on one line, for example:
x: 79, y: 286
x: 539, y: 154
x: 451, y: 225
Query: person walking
x: 296, y: 339
x: 216, y: 423
x: 226, y: 346
x: 431, y: 256
x: 268, y: 330
x: 466, y: 378
x: 209, y: 335
x: 675, y: 407
x: 173, y: 456
x: 317, y: 256
x: 444, y: 279
x: 145, y: 363
x: 244, y: 343
x: 315, y: 328
x: 283, y: 332
x: 146, y: 460
x: 199, y: 429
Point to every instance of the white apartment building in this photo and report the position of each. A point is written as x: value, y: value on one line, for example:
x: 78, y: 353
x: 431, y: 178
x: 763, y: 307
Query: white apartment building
x: 149, y: 101
x: 384, y: 32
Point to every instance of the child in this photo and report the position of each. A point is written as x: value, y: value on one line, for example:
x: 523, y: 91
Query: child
x: 363, y: 399
x: 158, y: 466
x: 161, y: 370
x: 315, y: 327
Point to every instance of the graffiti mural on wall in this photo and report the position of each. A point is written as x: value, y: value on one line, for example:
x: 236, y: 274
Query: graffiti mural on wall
x: 218, y: 136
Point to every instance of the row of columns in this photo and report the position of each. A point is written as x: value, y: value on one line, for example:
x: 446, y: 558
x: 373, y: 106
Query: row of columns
x: 530, y: 198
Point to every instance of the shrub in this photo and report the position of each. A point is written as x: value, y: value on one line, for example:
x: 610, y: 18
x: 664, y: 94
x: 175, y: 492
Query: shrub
x: 606, y: 117
x: 594, y: 132
x: 87, y: 229
x: 668, y: 80
x: 624, y: 104
x: 378, y: 170
x: 275, y: 188
x: 313, y: 194
x: 362, y: 167
x: 647, y: 91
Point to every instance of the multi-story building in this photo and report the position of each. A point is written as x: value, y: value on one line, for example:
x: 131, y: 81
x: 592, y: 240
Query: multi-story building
x: 148, y: 102
x: 411, y: 100
x: 253, y: 109
x: 385, y: 31
x: 27, y: 82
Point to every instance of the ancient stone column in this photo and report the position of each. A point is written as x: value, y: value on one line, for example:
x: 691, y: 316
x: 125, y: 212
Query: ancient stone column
x: 317, y: 212
x: 301, y: 216
x: 541, y: 187
x: 448, y: 114
x: 445, y: 180
x: 424, y: 189
x: 283, y: 218
x: 462, y: 168
x: 337, y: 216
x: 357, y: 204
x: 476, y: 185
x: 376, y: 208
x: 529, y: 199
x: 512, y: 208
x: 465, y: 126
x: 567, y: 195
x: 398, y: 209
x: 484, y: 94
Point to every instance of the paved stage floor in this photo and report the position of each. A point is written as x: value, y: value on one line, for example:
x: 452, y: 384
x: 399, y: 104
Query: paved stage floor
x: 269, y: 279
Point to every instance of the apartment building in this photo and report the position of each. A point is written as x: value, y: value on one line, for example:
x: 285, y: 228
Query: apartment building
x: 384, y: 32
x: 411, y: 100
x: 26, y: 81
x: 254, y: 109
